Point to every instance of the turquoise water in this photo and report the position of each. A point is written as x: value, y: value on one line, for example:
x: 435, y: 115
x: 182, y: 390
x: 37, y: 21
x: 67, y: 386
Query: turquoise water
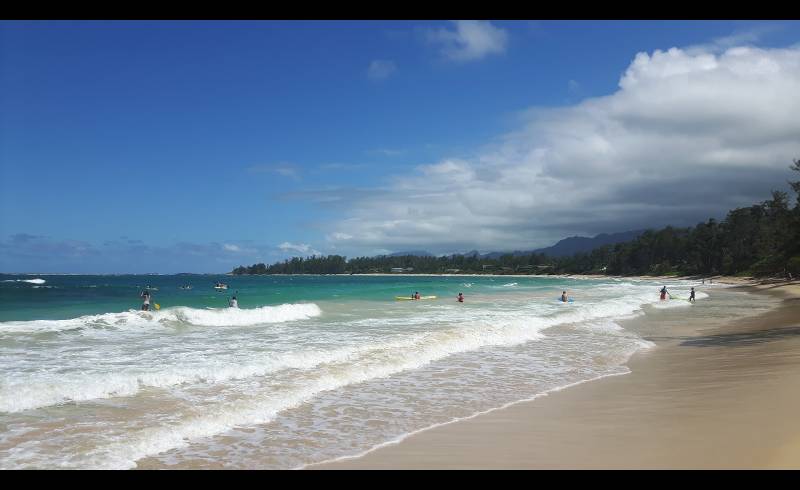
x: 67, y: 296
x: 308, y: 369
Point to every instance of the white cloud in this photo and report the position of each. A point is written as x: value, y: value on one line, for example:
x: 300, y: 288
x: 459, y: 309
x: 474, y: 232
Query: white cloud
x: 472, y: 40
x: 302, y: 248
x: 339, y: 236
x: 231, y: 247
x: 740, y: 38
x: 686, y: 136
x: 381, y: 69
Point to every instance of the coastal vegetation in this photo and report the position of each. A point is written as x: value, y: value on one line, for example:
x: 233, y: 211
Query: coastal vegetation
x: 758, y: 240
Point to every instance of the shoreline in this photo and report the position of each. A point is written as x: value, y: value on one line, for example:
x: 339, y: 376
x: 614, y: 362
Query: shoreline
x: 719, y: 279
x: 719, y: 397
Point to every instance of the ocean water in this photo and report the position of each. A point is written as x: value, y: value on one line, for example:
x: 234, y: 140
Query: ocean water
x: 308, y: 369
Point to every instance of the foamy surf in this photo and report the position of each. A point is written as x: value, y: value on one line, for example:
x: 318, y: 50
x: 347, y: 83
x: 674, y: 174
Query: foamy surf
x: 29, y: 281
x: 366, y: 363
x: 405, y: 352
x: 133, y: 319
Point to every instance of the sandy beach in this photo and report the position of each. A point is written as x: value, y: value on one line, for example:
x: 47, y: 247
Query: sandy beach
x: 708, y: 396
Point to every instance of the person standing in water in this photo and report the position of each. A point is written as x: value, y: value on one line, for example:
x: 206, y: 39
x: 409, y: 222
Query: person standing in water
x: 146, y: 297
x: 691, y: 296
x: 663, y: 293
x: 233, y: 303
x: 460, y: 297
x: 564, y: 296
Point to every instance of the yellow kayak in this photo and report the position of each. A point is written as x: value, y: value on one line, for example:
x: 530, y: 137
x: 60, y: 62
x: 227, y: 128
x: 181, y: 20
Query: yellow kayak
x: 409, y: 298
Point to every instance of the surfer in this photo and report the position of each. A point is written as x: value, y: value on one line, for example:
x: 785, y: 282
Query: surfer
x: 564, y: 296
x: 146, y: 297
x: 664, y: 293
x: 691, y: 296
x: 233, y: 303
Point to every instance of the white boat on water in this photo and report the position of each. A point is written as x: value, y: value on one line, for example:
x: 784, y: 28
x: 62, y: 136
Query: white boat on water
x: 220, y: 287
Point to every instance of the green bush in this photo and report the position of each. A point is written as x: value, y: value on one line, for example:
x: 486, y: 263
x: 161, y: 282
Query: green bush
x: 793, y: 265
x: 768, y: 265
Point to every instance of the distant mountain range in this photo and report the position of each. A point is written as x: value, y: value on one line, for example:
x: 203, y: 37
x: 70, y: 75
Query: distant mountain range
x: 564, y: 248
x: 415, y: 253
x: 574, y: 244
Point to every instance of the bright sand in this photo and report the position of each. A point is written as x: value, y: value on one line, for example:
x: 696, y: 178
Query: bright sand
x: 709, y: 396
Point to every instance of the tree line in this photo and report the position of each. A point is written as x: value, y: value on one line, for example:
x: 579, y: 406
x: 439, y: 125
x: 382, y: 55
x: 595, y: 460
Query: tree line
x: 759, y: 240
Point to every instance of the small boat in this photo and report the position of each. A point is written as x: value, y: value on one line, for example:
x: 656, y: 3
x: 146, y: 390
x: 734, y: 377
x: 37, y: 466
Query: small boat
x: 220, y: 287
x: 408, y: 298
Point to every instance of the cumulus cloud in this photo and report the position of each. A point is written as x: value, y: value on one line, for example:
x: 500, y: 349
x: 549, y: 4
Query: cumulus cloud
x: 381, y: 69
x: 231, y: 247
x: 686, y: 136
x: 471, y: 40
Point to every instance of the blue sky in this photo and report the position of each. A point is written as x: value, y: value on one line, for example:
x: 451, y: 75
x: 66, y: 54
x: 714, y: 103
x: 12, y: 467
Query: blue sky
x: 199, y: 146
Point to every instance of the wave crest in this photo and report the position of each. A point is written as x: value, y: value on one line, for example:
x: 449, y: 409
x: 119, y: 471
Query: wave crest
x: 222, y: 317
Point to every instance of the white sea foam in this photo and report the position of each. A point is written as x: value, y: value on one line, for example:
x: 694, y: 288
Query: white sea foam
x: 29, y: 281
x: 223, y: 317
x: 39, y: 390
x: 244, y: 317
x: 374, y: 362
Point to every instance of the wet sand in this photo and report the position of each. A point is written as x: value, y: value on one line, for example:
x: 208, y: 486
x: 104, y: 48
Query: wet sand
x: 705, y: 397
